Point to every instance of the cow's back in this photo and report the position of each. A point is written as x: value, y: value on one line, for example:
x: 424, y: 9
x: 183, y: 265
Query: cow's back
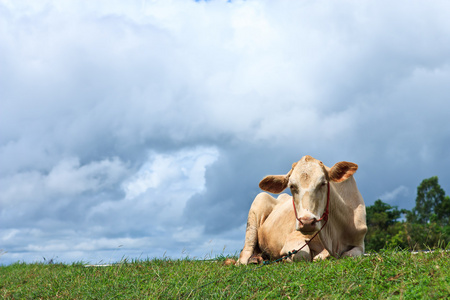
x: 349, y: 192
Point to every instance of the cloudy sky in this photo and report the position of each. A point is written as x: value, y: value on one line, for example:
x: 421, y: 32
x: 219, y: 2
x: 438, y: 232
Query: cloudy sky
x: 141, y: 129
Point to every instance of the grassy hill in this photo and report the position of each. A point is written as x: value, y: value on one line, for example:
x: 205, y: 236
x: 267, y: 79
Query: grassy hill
x: 397, y: 275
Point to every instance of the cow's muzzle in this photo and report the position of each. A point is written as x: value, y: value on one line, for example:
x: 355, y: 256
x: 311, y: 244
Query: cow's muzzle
x: 307, y: 225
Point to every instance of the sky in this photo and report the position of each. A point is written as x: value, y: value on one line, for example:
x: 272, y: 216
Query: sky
x: 141, y: 129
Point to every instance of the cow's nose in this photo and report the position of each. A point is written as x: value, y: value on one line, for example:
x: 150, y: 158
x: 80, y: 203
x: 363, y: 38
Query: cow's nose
x: 307, y: 224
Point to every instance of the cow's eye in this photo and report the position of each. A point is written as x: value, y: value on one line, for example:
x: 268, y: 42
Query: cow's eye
x: 293, y: 188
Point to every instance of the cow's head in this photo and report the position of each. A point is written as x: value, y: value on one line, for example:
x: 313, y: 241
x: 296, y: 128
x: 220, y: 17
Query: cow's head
x: 308, y: 180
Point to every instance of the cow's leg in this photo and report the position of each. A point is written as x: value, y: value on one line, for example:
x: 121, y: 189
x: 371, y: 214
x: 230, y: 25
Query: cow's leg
x: 353, y: 252
x: 256, y: 257
x: 303, y: 254
x: 295, y: 241
x: 322, y: 255
x: 306, y: 253
x: 318, y: 251
x: 261, y: 207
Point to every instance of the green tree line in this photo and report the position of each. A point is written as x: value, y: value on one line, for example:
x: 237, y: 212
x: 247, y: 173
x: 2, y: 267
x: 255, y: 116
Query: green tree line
x: 426, y: 226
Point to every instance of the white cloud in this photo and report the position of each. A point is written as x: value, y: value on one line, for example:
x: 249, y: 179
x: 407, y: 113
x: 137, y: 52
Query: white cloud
x: 157, y: 194
x: 394, y: 194
x: 183, y: 171
x: 153, y: 202
x: 68, y: 177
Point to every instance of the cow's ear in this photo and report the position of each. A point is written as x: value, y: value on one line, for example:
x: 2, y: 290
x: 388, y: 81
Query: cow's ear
x: 276, y: 183
x: 342, y: 170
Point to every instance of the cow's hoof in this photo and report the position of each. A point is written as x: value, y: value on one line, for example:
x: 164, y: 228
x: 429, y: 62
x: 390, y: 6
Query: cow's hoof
x: 230, y: 261
x: 255, y: 260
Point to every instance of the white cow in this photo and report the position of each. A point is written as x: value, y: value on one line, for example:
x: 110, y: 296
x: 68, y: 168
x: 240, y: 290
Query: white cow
x: 278, y: 226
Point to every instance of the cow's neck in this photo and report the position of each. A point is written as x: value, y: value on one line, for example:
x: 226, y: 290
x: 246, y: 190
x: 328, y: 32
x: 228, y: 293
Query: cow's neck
x: 339, y: 222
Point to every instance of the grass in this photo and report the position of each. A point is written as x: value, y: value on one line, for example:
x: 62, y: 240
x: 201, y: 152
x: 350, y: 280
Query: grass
x: 395, y: 275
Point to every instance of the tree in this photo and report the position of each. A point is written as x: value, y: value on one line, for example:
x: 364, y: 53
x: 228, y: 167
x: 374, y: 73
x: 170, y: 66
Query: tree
x: 427, y: 225
x: 443, y: 211
x: 431, y: 204
x: 382, y: 215
x: 427, y: 236
x: 383, y: 227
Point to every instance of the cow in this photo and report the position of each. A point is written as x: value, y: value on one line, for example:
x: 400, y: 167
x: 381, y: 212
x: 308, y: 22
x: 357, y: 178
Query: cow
x: 325, y: 202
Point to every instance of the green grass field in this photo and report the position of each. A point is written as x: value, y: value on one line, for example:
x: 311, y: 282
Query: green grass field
x: 395, y: 275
